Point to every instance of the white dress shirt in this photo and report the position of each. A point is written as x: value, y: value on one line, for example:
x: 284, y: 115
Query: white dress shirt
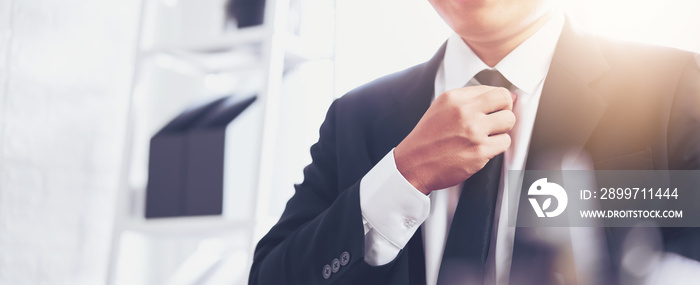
x: 392, y: 209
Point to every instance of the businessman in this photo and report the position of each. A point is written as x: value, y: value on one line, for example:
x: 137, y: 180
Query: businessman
x: 406, y: 183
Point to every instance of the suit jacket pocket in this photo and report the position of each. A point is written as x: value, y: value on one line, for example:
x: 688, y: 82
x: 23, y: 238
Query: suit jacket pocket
x: 640, y: 160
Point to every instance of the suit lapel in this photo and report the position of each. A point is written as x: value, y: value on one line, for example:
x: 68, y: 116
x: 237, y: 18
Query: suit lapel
x: 570, y: 107
x: 412, y: 98
x: 569, y: 111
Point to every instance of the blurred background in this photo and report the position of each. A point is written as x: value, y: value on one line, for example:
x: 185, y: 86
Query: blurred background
x: 89, y: 89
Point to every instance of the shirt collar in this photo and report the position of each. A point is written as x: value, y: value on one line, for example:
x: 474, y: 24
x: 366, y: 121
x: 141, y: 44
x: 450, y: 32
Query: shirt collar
x: 525, y: 67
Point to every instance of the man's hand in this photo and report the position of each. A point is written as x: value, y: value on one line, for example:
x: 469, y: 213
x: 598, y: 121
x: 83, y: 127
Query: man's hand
x: 461, y: 131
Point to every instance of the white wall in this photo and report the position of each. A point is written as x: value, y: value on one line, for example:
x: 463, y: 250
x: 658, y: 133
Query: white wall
x: 65, y: 72
x: 379, y: 37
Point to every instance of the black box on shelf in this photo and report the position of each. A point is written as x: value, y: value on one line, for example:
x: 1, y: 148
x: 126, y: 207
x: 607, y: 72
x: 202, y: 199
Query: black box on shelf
x: 206, y: 153
x: 246, y: 13
x: 186, y: 161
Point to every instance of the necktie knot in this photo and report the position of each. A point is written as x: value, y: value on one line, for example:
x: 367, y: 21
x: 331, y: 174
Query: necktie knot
x: 492, y: 77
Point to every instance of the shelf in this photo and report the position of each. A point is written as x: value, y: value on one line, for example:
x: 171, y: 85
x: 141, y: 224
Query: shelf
x: 235, y: 52
x: 243, y: 37
x: 191, y: 226
x: 297, y: 51
x: 241, y: 60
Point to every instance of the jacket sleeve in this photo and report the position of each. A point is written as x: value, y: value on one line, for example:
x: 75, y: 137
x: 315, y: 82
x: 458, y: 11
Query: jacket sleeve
x: 684, y: 123
x: 320, y: 237
x: 684, y: 151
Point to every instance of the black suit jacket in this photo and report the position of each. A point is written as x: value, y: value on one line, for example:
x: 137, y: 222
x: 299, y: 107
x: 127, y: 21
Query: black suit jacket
x: 628, y: 106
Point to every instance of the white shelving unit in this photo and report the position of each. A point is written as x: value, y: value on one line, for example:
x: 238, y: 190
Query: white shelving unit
x: 267, y: 50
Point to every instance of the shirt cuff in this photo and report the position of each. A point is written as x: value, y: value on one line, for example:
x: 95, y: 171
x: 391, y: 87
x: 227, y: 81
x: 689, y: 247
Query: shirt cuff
x: 390, y: 204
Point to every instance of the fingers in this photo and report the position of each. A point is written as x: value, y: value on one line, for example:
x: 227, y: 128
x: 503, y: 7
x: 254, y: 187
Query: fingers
x: 499, y: 122
x: 484, y: 99
x: 495, y: 99
x: 497, y: 144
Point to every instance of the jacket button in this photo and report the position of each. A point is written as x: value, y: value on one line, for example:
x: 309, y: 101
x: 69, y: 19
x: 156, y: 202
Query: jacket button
x: 326, y: 271
x: 344, y: 258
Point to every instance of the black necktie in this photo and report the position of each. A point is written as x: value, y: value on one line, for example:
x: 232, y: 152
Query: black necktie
x: 469, y: 238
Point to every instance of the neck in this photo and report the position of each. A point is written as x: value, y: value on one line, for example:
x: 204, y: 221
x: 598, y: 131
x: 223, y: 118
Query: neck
x: 492, y: 50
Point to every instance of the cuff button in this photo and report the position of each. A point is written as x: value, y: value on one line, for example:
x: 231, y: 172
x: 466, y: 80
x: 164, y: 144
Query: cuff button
x: 409, y: 222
